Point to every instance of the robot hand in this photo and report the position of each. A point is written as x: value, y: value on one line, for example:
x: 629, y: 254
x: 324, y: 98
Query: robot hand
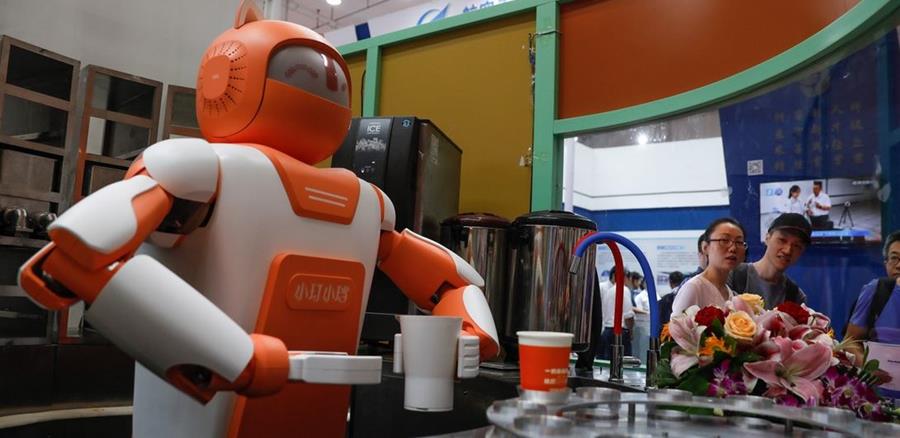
x: 447, y: 287
x: 337, y: 368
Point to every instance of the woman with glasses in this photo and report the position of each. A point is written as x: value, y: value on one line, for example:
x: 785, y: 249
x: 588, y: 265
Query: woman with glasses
x: 725, y: 247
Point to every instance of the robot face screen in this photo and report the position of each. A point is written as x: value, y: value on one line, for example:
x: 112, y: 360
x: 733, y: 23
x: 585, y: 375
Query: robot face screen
x: 312, y: 71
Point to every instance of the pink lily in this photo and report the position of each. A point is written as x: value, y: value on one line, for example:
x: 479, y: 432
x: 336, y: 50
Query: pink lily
x: 795, y: 368
x: 799, y: 332
x: 770, y: 321
x: 817, y: 320
x: 686, y: 333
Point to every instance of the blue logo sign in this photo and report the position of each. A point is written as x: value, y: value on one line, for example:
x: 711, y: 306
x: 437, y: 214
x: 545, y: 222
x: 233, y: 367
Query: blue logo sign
x: 433, y: 15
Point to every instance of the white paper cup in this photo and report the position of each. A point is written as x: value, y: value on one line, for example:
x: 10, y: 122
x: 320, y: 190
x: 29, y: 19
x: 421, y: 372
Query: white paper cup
x: 429, y: 361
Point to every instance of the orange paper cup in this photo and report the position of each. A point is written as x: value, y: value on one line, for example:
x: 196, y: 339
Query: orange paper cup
x: 544, y: 360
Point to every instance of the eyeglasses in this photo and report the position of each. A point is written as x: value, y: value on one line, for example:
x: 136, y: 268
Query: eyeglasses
x: 892, y: 260
x: 740, y: 244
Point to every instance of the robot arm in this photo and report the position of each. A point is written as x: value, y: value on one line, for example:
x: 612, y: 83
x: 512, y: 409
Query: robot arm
x: 439, y: 281
x: 136, y: 302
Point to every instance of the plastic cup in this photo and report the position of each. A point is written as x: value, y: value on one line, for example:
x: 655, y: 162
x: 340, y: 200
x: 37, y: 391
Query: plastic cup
x: 429, y: 361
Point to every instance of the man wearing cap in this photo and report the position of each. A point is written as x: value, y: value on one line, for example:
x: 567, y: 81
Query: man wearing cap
x: 788, y: 237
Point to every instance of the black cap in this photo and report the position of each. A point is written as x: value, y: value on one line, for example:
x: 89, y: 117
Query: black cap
x: 795, y: 224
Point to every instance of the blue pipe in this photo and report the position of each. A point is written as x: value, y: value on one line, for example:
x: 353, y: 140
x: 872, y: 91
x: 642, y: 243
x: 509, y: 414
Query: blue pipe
x: 645, y: 267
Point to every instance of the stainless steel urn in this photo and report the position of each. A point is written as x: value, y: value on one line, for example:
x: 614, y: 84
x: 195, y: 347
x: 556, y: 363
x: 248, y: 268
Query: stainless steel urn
x: 481, y: 240
x: 542, y: 294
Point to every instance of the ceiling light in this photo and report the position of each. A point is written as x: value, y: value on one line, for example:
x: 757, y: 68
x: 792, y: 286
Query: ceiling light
x: 642, y: 138
x: 333, y: 2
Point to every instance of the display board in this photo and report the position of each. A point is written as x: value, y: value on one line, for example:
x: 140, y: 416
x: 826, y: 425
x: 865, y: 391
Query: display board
x: 854, y: 216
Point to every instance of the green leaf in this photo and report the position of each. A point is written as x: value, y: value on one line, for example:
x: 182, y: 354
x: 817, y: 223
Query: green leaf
x: 747, y: 356
x: 717, y: 328
x: 664, y: 376
x: 696, y: 383
x: 871, y: 366
x: 718, y: 357
x: 665, y: 351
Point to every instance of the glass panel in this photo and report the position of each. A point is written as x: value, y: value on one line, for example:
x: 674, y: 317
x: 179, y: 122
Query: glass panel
x: 122, y: 140
x: 124, y: 96
x: 183, y: 110
x: 112, y: 139
x: 96, y: 129
x: 27, y: 120
x: 29, y: 320
x: 39, y: 73
x: 27, y: 171
x: 815, y: 144
x: 97, y: 177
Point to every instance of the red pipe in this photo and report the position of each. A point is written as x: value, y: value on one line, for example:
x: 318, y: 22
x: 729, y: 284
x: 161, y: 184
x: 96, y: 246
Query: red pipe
x: 620, y: 279
x: 620, y: 285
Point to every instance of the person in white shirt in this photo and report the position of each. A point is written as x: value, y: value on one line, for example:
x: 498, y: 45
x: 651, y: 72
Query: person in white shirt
x: 641, y: 333
x: 608, y: 304
x: 818, y: 206
x: 725, y: 248
x: 793, y: 204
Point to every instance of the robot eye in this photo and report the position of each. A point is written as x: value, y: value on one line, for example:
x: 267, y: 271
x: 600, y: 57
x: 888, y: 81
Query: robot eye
x: 312, y: 71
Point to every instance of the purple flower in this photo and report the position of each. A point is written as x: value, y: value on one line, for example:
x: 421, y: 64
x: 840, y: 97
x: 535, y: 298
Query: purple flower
x: 844, y: 389
x: 724, y: 383
x: 788, y: 399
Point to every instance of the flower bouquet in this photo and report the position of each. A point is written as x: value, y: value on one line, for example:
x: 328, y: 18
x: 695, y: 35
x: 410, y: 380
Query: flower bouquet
x: 788, y: 354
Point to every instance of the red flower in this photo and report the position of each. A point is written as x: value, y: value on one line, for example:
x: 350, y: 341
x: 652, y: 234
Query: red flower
x: 795, y: 310
x: 708, y: 314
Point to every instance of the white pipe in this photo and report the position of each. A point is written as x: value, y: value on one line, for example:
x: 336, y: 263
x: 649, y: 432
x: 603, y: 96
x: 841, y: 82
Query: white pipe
x: 569, y: 174
x: 16, y: 420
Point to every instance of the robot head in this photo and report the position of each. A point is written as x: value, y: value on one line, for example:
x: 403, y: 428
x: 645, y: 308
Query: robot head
x: 276, y: 84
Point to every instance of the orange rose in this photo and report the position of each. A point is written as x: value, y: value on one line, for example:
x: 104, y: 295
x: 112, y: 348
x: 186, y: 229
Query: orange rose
x: 740, y: 326
x: 755, y: 302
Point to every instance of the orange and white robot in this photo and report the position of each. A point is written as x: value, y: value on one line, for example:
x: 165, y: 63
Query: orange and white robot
x: 233, y: 271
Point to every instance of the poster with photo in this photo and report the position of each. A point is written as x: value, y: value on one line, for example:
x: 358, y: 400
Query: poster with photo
x: 840, y: 210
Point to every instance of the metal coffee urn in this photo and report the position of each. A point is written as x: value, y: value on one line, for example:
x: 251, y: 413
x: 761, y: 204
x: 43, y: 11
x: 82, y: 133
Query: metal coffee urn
x: 481, y: 240
x: 542, y: 295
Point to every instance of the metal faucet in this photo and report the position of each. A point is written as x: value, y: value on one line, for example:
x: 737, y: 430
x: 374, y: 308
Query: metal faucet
x: 616, y: 363
x: 616, y: 374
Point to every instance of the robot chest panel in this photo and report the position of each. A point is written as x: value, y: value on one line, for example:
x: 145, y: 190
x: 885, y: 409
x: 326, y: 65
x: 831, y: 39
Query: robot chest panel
x: 313, y: 302
x: 259, y: 209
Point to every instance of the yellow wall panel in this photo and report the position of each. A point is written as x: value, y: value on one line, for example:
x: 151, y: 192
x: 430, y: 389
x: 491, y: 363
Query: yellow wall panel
x: 475, y: 85
x: 357, y: 65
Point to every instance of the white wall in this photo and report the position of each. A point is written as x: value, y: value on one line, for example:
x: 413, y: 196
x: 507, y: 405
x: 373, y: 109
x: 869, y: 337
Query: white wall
x: 688, y: 173
x: 157, y: 39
